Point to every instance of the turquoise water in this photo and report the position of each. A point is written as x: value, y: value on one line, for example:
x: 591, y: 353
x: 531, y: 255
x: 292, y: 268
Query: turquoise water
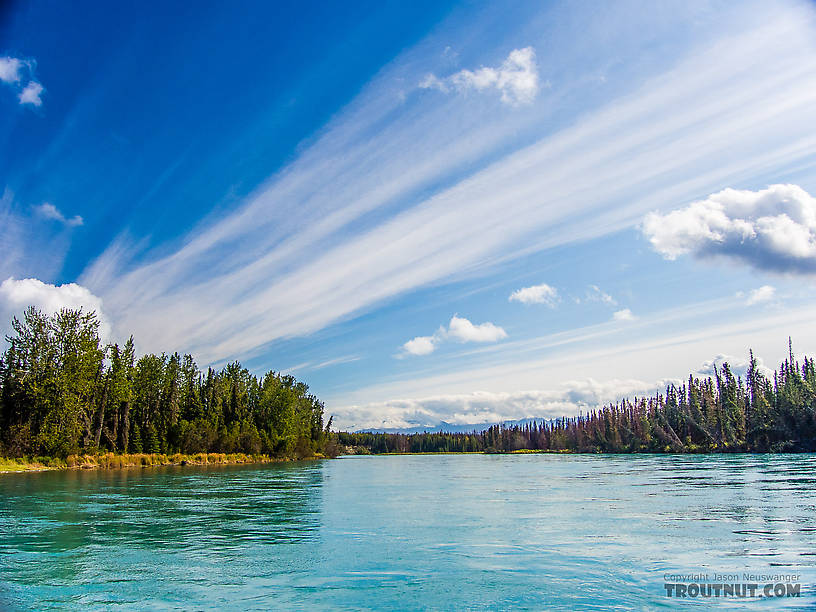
x: 407, y: 532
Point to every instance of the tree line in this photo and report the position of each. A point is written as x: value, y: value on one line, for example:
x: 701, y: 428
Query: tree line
x: 720, y: 413
x: 63, y: 391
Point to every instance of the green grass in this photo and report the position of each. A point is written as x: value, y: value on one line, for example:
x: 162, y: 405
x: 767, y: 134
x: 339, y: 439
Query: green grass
x: 29, y: 464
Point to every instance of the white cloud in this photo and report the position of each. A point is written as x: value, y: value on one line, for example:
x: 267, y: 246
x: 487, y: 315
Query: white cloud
x: 12, y: 238
x: 306, y: 366
x: 17, y: 295
x: 459, y: 329
x: 421, y: 345
x: 336, y: 361
x: 28, y: 249
x: 623, y: 315
x: 737, y: 365
x: 454, y: 197
x: 13, y: 72
x: 595, y: 294
x: 516, y: 78
x: 463, y: 330
x: 772, y: 229
x: 31, y: 94
x: 661, y: 347
x: 10, y: 68
x: 763, y: 294
x: 566, y: 399
x: 431, y: 81
x: 537, y: 294
x: 49, y: 211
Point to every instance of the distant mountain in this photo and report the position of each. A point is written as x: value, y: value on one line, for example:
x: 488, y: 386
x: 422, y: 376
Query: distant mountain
x: 443, y: 427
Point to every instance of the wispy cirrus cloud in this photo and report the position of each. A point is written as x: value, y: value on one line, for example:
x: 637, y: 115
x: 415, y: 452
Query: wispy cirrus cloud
x: 436, y: 199
x: 766, y: 293
x: 596, y: 294
x: 311, y: 366
x: 28, y: 249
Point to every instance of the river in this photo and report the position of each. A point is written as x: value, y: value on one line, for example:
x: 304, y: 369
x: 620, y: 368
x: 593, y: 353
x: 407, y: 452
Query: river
x: 446, y: 532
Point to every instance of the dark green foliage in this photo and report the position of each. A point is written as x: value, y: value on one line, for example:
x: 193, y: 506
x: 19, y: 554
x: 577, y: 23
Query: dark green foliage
x: 135, y: 445
x: 62, y: 392
x: 717, y: 414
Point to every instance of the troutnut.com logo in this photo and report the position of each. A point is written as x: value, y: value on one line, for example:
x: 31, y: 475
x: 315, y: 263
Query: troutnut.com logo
x: 744, y: 584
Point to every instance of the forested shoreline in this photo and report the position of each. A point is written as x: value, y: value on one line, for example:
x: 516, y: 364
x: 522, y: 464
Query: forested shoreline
x: 717, y: 414
x: 65, y: 393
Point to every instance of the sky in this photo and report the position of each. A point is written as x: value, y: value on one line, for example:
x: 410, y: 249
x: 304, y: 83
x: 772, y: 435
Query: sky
x: 430, y: 212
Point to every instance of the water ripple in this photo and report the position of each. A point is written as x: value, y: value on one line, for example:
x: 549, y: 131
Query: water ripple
x: 412, y: 532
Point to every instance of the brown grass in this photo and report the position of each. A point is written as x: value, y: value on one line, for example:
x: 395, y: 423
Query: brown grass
x: 110, y: 461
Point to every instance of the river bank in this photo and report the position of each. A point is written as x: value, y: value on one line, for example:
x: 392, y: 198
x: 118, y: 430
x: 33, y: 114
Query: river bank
x: 106, y: 461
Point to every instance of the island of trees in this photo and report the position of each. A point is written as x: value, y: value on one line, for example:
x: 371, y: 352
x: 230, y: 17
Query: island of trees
x: 63, y: 392
x: 718, y: 414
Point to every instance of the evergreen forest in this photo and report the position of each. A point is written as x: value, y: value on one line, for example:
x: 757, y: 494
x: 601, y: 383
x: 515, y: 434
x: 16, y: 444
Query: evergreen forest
x: 62, y: 391
x: 717, y: 414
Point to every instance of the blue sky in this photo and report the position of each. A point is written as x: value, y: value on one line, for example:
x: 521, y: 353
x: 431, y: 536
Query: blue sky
x: 460, y: 212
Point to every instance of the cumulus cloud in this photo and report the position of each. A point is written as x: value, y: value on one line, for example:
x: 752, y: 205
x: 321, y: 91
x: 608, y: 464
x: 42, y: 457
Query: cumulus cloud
x: 764, y: 294
x: 623, y: 315
x: 13, y: 71
x: 10, y: 68
x: 421, y: 345
x: 476, y: 408
x: 49, y: 211
x: 17, y: 295
x: 459, y: 329
x: 772, y: 229
x: 463, y: 330
x: 738, y: 366
x: 537, y: 294
x: 31, y: 94
x: 516, y: 79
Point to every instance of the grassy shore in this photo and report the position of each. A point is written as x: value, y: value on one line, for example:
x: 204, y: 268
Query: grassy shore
x: 107, y: 461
